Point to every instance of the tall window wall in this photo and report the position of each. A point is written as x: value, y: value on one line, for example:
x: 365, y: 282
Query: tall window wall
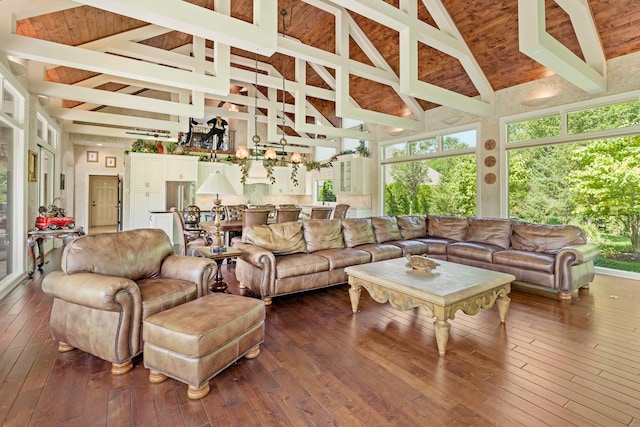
x: 581, y: 166
x: 434, y: 175
x: 12, y: 180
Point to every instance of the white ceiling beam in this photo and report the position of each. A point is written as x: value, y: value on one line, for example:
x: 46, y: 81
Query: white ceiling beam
x: 536, y: 43
x: 117, y: 120
x: 114, y: 132
x: 54, y: 53
x: 199, y: 21
x: 76, y: 93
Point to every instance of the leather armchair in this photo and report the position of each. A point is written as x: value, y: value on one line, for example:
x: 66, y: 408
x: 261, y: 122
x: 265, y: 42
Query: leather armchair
x: 109, y: 283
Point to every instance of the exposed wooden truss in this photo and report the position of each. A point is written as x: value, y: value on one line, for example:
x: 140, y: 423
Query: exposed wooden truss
x: 383, y: 62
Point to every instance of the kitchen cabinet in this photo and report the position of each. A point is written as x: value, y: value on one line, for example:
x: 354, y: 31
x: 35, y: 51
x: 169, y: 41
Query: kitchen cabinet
x: 142, y: 202
x: 352, y: 175
x: 284, y: 185
x: 163, y: 221
x: 180, y: 168
x: 145, y: 171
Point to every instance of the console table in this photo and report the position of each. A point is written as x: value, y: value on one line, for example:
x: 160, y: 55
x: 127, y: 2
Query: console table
x: 36, y: 237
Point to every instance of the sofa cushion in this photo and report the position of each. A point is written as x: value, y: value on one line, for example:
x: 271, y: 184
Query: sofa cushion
x: 545, y: 238
x: 412, y: 226
x: 281, y: 239
x: 436, y: 246
x: 525, y: 260
x: 381, y: 251
x: 357, y: 231
x: 385, y: 228
x: 341, y: 258
x: 139, y: 256
x: 320, y: 234
x: 447, y: 227
x: 410, y: 247
x: 492, y: 231
x: 472, y: 251
x: 299, y: 265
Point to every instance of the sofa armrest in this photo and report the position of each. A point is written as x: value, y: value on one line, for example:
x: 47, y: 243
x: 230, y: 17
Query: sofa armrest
x: 574, y: 266
x: 93, y: 290
x: 577, y: 254
x: 201, y: 271
x: 262, y: 259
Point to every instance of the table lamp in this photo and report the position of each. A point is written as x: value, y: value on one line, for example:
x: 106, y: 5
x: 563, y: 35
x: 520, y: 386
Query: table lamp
x: 216, y: 184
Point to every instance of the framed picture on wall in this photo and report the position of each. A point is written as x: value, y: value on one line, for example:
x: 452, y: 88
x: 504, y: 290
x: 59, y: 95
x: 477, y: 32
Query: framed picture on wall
x: 33, y: 166
x: 92, y: 156
x: 110, y: 162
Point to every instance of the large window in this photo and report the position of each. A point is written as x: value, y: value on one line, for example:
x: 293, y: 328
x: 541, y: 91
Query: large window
x: 12, y: 182
x: 593, y: 183
x: 434, y: 175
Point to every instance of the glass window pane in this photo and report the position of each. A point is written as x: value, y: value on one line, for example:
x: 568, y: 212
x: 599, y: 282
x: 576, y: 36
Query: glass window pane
x: 6, y: 252
x: 9, y: 101
x: 395, y: 150
x: 458, y: 141
x: 543, y: 127
x: 602, y: 118
x: 324, y: 191
x: 443, y: 186
x: 425, y: 146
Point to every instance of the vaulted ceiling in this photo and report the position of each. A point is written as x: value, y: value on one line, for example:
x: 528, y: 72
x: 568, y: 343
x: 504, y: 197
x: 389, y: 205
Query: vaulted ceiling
x: 114, y: 66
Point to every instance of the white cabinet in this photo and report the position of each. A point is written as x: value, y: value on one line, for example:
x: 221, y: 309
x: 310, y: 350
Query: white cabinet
x: 281, y: 186
x: 284, y: 185
x: 142, y: 202
x: 145, y: 172
x: 163, y: 221
x: 352, y: 175
x: 180, y: 168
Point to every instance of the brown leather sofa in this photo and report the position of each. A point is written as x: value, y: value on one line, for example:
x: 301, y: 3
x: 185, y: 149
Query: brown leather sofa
x: 280, y: 259
x: 109, y: 283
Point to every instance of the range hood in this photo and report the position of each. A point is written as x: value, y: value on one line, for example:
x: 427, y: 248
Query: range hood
x: 257, y: 174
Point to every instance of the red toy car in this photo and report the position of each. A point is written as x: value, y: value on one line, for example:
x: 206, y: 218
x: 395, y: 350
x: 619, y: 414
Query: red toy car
x: 53, y: 223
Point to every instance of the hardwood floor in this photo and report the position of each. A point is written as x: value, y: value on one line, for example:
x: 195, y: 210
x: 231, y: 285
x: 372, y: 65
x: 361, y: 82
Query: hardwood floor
x: 553, y: 363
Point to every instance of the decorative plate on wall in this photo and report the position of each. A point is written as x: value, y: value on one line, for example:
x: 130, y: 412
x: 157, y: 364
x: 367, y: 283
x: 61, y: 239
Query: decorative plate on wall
x: 490, y: 178
x: 490, y: 144
x: 490, y: 161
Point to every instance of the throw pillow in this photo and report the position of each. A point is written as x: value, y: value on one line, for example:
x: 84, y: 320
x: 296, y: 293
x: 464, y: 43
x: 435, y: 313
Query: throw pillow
x: 491, y: 231
x: 412, y: 226
x: 321, y: 234
x: 447, y: 227
x: 385, y: 228
x: 281, y: 239
x: 357, y: 231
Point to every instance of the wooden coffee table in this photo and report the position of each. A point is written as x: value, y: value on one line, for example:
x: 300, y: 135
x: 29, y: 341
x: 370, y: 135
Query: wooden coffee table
x: 441, y: 292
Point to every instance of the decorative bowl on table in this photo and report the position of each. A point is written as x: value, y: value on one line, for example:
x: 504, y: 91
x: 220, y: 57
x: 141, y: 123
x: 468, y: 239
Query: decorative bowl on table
x: 420, y: 262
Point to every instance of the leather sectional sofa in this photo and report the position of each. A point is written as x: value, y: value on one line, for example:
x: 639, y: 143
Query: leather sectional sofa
x: 280, y: 259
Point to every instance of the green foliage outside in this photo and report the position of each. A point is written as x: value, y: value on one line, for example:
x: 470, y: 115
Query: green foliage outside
x: 594, y: 184
x: 325, y: 194
x: 412, y: 191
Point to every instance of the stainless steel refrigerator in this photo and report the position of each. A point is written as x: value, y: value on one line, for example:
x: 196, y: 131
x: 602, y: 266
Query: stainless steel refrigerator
x: 180, y: 194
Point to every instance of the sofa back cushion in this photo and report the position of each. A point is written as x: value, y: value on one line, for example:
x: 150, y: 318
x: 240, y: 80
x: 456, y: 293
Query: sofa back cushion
x: 493, y: 231
x: 321, y: 234
x: 281, y: 238
x: 412, y: 226
x: 357, y: 231
x: 545, y: 238
x: 385, y: 228
x: 132, y: 254
x: 447, y: 227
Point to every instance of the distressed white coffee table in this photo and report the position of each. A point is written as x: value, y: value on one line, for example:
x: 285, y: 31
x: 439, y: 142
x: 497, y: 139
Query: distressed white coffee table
x: 441, y: 292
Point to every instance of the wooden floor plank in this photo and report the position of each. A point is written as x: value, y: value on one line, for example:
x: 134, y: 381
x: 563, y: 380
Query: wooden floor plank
x: 552, y: 363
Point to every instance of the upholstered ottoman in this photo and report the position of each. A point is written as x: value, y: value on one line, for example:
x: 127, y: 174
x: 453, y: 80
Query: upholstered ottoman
x: 193, y: 342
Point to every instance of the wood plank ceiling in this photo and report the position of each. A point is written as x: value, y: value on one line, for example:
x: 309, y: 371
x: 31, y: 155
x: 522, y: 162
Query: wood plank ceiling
x: 488, y: 27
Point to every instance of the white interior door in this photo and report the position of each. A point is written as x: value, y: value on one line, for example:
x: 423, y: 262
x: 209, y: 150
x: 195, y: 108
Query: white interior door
x: 103, y: 200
